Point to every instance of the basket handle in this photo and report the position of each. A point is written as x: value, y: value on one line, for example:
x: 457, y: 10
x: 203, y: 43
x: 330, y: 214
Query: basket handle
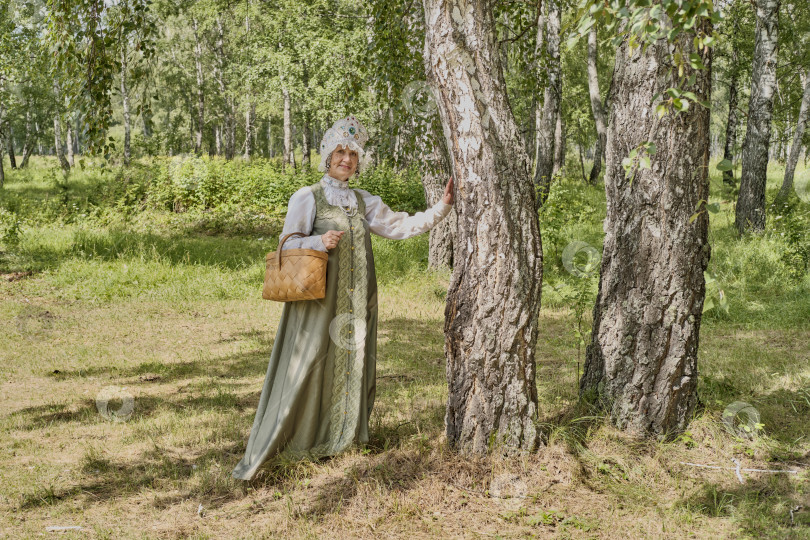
x: 281, y: 245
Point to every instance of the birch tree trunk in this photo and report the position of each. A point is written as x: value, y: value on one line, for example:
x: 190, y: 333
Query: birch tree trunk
x: 494, y: 295
x: 306, y: 160
x: 750, y: 213
x: 796, y: 147
x: 198, y: 133
x: 289, y: 158
x: 2, y: 171
x: 731, y: 124
x: 27, y: 146
x: 6, y: 138
x: 642, y: 359
x: 60, y: 152
x: 77, y: 142
x: 69, y: 144
x: 596, y: 106
x: 229, y: 130
x: 782, y: 148
x: 125, y: 103
x: 39, y: 140
x: 435, y: 175
x: 57, y: 128
x: 146, y: 122
x: 538, y: 107
x: 531, y: 127
x: 551, y: 105
x: 12, y: 158
x: 559, y: 144
x: 250, y: 116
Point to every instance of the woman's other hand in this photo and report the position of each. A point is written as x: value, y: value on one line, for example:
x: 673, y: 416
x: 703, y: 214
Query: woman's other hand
x: 331, y: 238
x: 447, y: 198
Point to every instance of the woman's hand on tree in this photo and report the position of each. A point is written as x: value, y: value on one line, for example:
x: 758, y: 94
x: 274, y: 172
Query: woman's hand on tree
x: 448, y: 192
x: 330, y: 239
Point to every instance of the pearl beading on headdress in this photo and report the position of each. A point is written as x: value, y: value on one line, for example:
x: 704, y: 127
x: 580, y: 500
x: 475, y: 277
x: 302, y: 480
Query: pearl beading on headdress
x: 347, y: 132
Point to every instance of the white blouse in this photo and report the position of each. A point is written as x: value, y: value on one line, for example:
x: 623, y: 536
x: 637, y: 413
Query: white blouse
x: 381, y: 219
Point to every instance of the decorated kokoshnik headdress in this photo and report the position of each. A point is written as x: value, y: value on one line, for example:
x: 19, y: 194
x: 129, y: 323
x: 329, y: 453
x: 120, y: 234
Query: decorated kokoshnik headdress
x: 349, y: 133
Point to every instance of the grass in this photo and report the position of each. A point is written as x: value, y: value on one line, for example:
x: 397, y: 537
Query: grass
x: 166, y: 309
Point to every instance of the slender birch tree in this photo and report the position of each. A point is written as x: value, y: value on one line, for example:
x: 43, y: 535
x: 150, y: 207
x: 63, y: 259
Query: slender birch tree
x: 750, y: 213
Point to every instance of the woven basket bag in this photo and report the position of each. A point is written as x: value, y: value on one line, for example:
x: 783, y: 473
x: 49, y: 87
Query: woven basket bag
x: 299, y: 275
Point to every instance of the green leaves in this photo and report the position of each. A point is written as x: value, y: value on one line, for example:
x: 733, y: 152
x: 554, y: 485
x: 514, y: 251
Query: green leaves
x: 639, y: 158
x: 677, y: 100
x: 647, y: 21
x: 642, y: 22
x: 713, y: 208
x: 716, y: 297
x: 725, y: 165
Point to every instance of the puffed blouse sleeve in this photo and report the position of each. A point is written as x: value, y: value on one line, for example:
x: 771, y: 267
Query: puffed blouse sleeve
x: 400, y: 225
x: 301, y: 218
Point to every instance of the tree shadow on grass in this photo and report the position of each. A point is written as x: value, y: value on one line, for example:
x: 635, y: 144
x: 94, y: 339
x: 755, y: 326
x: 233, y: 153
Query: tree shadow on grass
x: 393, y: 471
x: 174, y: 249
x: 409, y: 347
x: 244, y: 364
x: 228, y: 371
x: 785, y: 414
x: 107, y: 479
x: 396, y: 470
x: 761, y: 506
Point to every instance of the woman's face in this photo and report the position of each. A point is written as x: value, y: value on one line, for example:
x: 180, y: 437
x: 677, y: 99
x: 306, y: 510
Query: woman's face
x: 343, y: 164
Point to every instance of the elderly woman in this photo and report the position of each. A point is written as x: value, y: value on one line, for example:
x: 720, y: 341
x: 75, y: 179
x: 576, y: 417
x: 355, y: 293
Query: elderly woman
x: 320, y: 383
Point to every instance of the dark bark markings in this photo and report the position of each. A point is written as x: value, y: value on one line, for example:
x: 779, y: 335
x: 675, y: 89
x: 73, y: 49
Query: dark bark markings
x: 750, y: 213
x: 642, y: 360
x: 494, y: 295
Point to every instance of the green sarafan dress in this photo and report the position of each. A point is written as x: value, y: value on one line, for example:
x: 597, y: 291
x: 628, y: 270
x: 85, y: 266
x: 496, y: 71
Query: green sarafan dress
x: 320, y: 384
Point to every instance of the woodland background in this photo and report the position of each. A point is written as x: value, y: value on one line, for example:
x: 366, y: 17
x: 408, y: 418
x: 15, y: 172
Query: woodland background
x: 149, y: 151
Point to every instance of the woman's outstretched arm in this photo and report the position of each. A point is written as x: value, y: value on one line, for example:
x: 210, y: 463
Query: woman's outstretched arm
x: 300, y: 218
x: 400, y: 225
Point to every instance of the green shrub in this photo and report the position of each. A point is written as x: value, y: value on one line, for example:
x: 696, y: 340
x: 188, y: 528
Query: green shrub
x: 181, y: 183
x: 9, y: 228
x: 402, y: 192
x: 792, y: 223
